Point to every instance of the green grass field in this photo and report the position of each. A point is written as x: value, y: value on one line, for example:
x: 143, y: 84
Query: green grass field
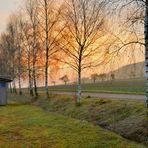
x: 27, y: 126
x: 133, y: 86
x: 126, y: 118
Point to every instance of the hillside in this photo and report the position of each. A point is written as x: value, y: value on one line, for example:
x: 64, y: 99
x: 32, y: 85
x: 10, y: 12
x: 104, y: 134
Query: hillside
x: 136, y: 70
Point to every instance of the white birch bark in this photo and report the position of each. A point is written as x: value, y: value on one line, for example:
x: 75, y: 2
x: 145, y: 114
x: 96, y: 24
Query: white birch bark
x: 14, y: 87
x: 19, y: 70
x: 47, y: 48
x: 34, y: 60
x: 79, y: 89
x: 146, y: 49
x: 79, y: 78
x: 29, y: 74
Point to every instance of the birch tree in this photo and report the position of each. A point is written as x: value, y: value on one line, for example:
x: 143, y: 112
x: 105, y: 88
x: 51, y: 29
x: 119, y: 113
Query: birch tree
x: 82, y: 36
x: 94, y: 77
x: 12, y: 41
x: 11, y: 32
x: 5, y: 55
x: 146, y: 48
x: 138, y: 14
x: 50, y: 24
x: 28, y: 50
x: 17, y: 26
x: 19, y: 39
x: 32, y: 12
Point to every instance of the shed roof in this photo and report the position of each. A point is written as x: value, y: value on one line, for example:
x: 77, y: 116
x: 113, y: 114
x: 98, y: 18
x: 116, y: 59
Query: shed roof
x: 6, y: 80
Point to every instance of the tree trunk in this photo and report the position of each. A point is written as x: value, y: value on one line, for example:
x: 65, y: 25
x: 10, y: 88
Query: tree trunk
x: 13, y: 74
x: 10, y: 87
x: 46, y: 69
x: 14, y: 87
x: 47, y: 50
x: 19, y: 71
x: 29, y: 75
x: 146, y: 49
x: 30, y: 84
x: 79, y: 88
x: 79, y: 79
x: 46, y: 77
x: 34, y: 79
x: 34, y: 62
x: 94, y: 81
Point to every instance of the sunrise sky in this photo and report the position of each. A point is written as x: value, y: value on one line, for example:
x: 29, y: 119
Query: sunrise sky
x: 6, y: 8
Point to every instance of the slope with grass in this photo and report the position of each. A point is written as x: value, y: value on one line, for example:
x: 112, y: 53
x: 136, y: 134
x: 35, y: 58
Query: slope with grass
x: 125, y: 117
x: 28, y: 126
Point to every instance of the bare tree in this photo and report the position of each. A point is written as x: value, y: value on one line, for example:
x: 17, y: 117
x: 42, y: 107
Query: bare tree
x: 11, y: 33
x: 5, y: 54
x: 85, y: 21
x: 50, y: 24
x: 16, y: 26
x: 32, y: 11
x: 112, y: 76
x: 6, y: 67
x: 94, y: 77
x: 12, y: 43
x: 53, y: 82
x: 19, y: 38
x: 28, y: 53
x: 102, y: 76
x: 138, y: 15
x: 65, y: 79
x: 146, y: 47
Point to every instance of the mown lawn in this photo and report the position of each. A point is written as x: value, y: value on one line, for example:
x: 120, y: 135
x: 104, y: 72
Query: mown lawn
x: 28, y: 126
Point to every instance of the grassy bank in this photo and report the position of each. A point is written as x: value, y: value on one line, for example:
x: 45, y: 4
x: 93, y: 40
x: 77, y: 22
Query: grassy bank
x: 27, y: 126
x: 127, y: 118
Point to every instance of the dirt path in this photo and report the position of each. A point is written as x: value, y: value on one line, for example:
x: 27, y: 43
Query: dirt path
x: 107, y: 95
